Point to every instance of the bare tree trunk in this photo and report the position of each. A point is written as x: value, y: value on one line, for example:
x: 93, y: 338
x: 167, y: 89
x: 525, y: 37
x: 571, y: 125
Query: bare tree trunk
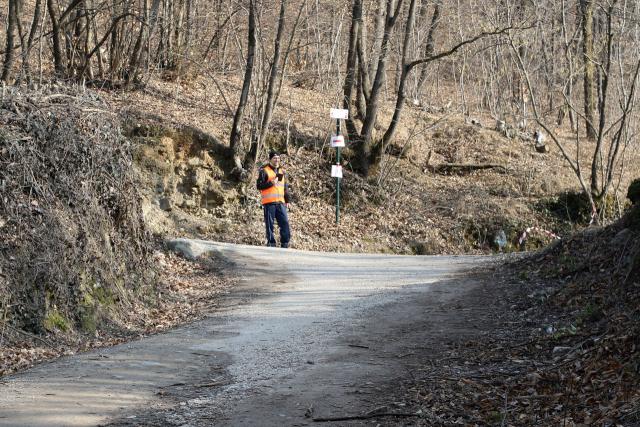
x: 365, y: 145
x: 76, y: 49
x: 361, y: 99
x: 137, y: 49
x: 187, y: 32
x: 12, y: 18
x: 153, y: 23
x: 271, y: 90
x: 21, y: 34
x: 55, y: 39
x: 567, y: 89
x: 363, y: 82
x: 597, y: 191
x: 101, y: 58
x: 165, y: 53
x: 235, y: 138
x: 378, y: 33
x: 178, y: 37
x: 401, y: 96
x: 87, y: 43
x: 429, y: 46
x: 588, y: 51
x: 350, y: 77
x: 37, y: 12
x: 285, y: 60
x: 124, y: 38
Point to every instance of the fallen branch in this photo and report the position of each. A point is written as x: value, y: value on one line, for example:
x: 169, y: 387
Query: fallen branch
x: 459, y: 167
x: 358, y: 346
x: 35, y: 337
x: 539, y: 396
x: 365, y: 417
x: 463, y: 167
x: 213, y: 384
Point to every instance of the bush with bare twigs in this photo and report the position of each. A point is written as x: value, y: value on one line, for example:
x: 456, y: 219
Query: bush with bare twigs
x: 73, y: 244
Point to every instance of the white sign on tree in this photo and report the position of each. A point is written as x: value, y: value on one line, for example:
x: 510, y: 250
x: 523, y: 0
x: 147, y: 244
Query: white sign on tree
x: 337, y: 113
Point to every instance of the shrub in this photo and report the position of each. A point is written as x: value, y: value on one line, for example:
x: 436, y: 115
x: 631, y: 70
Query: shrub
x: 633, y: 193
x: 572, y: 206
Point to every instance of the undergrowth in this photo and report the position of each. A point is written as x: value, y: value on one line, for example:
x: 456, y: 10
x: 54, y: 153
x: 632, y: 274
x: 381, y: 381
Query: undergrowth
x: 71, y: 224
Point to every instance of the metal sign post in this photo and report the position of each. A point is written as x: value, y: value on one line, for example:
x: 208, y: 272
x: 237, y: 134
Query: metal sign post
x: 338, y: 178
x: 337, y: 141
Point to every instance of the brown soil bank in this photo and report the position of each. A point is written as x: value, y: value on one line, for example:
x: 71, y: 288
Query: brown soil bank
x: 598, y: 299
x: 565, y: 346
x: 74, y: 249
x: 77, y: 263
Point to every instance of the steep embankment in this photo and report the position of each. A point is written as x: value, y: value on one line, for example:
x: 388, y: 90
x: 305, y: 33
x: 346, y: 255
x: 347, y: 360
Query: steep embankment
x: 75, y: 249
x: 76, y: 264
x: 593, y: 287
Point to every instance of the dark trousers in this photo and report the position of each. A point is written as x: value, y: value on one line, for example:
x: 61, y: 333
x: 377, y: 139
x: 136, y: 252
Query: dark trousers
x: 276, y: 212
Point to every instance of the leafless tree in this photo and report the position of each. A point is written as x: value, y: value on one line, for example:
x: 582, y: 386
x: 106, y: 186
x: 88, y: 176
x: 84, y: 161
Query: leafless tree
x: 368, y: 150
x: 615, y: 124
x: 12, y: 19
x: 589, y: 78
x: 371, y: 51
x: 235, y: 137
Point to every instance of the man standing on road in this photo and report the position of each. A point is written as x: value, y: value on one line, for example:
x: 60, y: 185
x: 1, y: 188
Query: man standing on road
x: 275, y: 199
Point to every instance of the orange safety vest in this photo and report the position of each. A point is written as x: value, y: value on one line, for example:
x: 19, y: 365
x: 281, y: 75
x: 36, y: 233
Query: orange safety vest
x: 274, y: 193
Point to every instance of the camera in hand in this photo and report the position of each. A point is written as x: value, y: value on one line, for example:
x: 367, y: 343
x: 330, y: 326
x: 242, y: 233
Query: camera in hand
x: 280, y: 175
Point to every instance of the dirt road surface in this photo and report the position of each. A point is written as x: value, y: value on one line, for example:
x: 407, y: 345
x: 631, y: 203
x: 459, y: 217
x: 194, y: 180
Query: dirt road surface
x: 305, y: 335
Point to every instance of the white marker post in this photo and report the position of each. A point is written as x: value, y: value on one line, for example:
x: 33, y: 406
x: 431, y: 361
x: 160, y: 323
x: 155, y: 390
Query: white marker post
x: 337, y: 141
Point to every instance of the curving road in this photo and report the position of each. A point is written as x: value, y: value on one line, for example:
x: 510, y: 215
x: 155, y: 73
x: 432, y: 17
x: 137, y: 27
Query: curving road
x: 304, y: 333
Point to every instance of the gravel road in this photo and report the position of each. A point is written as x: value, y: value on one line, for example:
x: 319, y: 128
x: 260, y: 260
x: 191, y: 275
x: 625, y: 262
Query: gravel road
x: 304, y: 335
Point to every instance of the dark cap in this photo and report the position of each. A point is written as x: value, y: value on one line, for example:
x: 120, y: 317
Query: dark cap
x: 272, y: 154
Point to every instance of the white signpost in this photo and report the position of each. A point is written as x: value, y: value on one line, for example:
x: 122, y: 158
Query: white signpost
x: 337, y: 113
x: 337, y: 141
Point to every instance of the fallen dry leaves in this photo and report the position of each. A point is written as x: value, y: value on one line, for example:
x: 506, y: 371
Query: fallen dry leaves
x: 558, y: 342
x: 188, y: 290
